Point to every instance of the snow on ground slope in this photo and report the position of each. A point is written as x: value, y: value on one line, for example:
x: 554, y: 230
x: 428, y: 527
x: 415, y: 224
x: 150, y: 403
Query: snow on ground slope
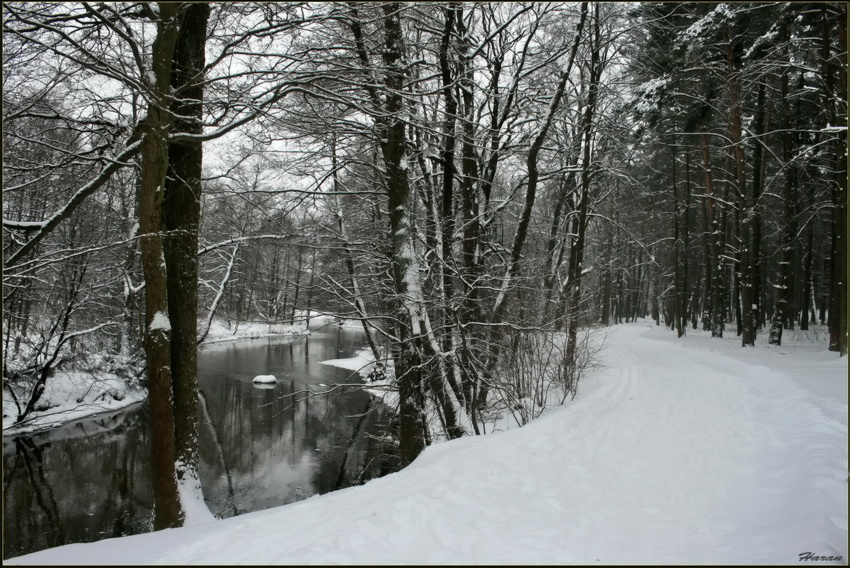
x: 223, y: 331
x: 69, y: 396
x: 671, y: 453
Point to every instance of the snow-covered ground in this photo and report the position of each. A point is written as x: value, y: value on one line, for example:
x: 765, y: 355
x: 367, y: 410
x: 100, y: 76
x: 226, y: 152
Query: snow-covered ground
x: 687, y: 451
x: 69, y: 396
x: 222, y: 331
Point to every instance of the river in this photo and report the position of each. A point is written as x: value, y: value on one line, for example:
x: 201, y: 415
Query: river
x: 260, y: 447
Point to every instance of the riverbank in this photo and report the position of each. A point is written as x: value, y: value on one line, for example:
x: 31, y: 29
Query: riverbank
x: 675, y: 451
x: 222, y: 331
x: 74, y: 394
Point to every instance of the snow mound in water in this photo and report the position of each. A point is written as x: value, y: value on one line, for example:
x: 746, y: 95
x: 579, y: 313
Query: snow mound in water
x: 265, y: 379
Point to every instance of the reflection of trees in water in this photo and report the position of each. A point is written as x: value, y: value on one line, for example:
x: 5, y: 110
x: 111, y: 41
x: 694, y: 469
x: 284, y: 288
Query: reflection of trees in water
x: 60, y: 487
x: 264, y: 444
x: 363, y: 448
x: 373, y: 451
x: 215, y: 470
x: 259, y: 448
x: 281, y: 445
x: 31, y: 458
x: 342, y: 478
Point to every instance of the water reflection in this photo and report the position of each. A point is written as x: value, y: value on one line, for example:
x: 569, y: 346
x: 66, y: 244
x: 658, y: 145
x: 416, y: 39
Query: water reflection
x: 259, y: 447
x: 85, y: 482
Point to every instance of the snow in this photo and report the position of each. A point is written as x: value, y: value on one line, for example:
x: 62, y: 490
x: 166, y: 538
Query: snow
x: 69, y: 396
x: 160, y: 321
x: 720, y: 13
x: 32, y: 225
x: 361, y: 361
x: 192, y: 500
x: 222, y: 331
x: 265, y: 379
x: 413, y: 299
x: 688, y: 451
x: 648, y: 94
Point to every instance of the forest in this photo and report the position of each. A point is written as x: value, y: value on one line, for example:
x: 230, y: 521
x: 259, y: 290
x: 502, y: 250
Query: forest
x: 481, y: 185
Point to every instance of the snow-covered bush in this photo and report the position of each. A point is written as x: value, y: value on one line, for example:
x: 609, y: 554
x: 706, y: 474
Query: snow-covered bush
x: 533, y: 371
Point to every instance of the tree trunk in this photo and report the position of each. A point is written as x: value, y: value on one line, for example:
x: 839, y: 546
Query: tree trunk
x: 748, y: 332
x: 783, y: 293
x: 182, y: 216
x: 714, y: 271
x: 297, y: 291
x: 577, y: 253
x: 157, y: 341
x: 407, y: 352
x: 686, y: 209
x: 759, y: 165
x: 533, y: 176
x: 837, y: 91
x: 679, y: 257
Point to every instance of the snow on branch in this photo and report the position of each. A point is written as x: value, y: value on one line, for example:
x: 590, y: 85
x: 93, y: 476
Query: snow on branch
x: 120, y: 161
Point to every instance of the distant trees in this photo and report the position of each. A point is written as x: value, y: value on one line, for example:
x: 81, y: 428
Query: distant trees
x: 464, y: 106
x: 737, y: 95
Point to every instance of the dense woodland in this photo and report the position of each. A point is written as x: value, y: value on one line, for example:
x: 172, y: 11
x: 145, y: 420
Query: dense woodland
x: 480, y: 184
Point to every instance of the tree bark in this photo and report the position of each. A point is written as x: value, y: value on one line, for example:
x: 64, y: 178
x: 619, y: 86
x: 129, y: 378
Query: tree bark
x: 182, y: 216
x: 393, y: 144
x: 748, y: 334
x: 759, y: 165
x: 157, y: 341
x: 782, y: 309
x: 714, y: 276
x: 577, y: 253
x: 836, y: 90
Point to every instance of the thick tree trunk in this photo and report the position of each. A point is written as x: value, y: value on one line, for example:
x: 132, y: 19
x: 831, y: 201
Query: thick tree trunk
x: 748, y: 332
x: 708, y: 265
x: 605, y: 316
x: 157, y: 341
x: 679, y: 258
x: 413, y: 329
x: 182, y: 216
x: 807, y: 280
x: 393, y: 148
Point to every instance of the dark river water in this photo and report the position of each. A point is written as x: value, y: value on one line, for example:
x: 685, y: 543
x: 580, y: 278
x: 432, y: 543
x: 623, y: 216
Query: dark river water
x: 259, y: 447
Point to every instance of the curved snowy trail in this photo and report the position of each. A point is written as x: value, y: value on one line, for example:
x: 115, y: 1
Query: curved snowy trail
x: 669, y: 454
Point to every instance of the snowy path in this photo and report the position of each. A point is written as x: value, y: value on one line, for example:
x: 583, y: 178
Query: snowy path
x: 670, y: 454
